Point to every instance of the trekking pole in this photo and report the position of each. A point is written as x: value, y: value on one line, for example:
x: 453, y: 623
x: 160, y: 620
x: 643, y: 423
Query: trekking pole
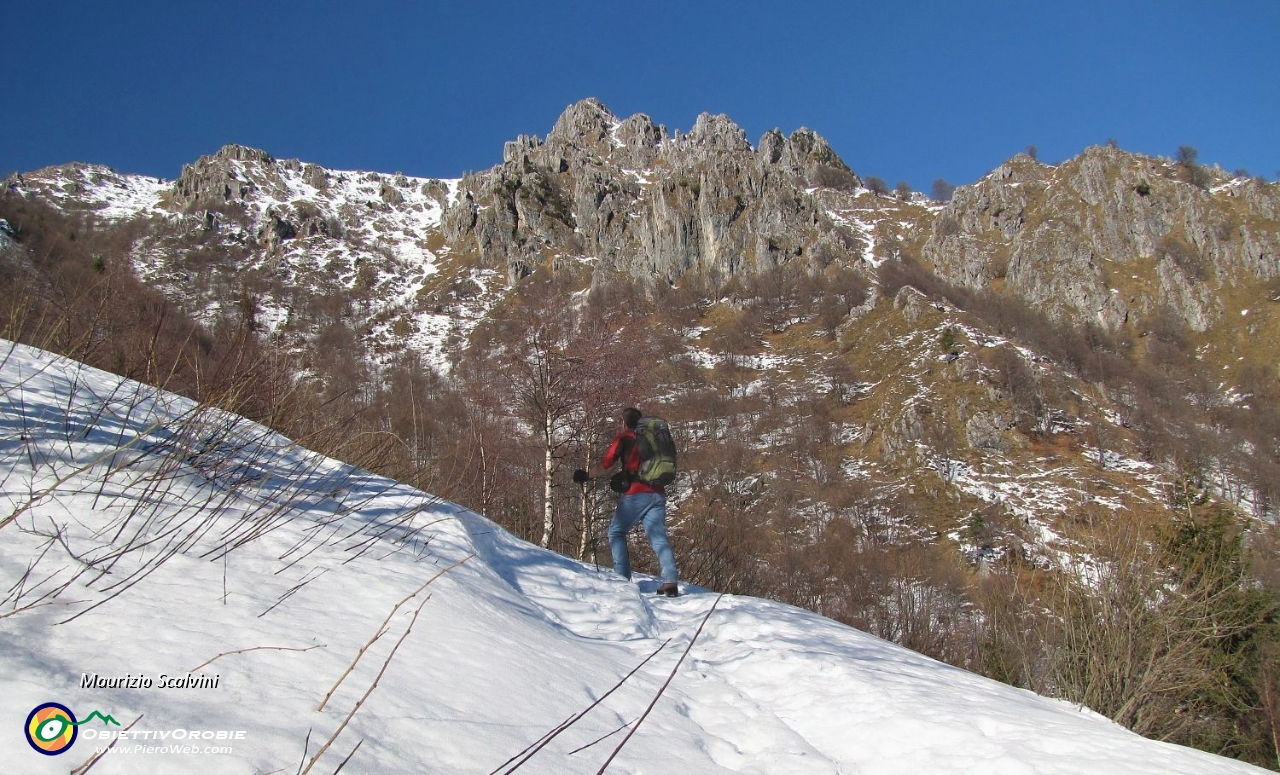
x: 591, y: 539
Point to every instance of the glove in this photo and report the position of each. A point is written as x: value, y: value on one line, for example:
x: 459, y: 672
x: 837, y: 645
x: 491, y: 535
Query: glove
x: 581, y: 476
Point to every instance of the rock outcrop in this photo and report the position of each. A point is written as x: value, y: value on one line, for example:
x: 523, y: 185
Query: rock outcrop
x: 646, y: 202
x: 1108, y: 237
x: 217, y: 180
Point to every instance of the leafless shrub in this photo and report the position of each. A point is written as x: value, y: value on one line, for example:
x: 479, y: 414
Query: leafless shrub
x: 162, y: 469
x: 831, y: 176
x: 907, y: 271
x: 947, y: 226
x: 1190, y: 170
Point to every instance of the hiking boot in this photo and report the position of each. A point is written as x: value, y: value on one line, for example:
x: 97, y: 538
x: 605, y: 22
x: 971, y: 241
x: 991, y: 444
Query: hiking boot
x: 669, y: 589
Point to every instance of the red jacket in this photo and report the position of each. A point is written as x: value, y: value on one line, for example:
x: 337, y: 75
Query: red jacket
x: 627, y: 440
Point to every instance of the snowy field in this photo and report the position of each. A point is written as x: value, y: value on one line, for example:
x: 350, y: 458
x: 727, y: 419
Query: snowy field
x: 308, y: 617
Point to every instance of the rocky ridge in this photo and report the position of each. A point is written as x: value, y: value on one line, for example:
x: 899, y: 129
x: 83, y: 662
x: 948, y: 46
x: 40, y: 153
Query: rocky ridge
x: 648, y: 203
x: 1069, y: 239
x: 639, y: 200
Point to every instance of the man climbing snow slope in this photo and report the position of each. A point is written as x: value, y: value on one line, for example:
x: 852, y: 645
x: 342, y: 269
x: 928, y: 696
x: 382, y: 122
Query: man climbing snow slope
x: 639, y: 501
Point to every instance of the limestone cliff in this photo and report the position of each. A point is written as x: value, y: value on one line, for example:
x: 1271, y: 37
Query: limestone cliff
x: 1109, y: 237
x: 646, y: 202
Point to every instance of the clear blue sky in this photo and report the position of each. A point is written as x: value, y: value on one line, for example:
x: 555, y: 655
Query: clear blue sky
x: 908, y: 91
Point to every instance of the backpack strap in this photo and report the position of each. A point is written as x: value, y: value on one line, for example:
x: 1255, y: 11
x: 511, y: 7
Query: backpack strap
x: 621, y: 481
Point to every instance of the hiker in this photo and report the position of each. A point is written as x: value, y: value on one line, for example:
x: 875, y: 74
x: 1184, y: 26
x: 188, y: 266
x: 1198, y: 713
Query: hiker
x: 640, y: 501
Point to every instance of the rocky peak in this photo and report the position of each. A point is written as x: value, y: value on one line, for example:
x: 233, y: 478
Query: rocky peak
x: 92, y: 187
x: 583, y: 123
x: 1020, y: 169
x: 216, y: 180
x: 719, y: 132
x: 771, y: 146
x: 244, y: 153
x: 234, y: 174
x: 643, y: 203
x: 639, y: 131
x: 520, y: 151
x: 1109, y: 237
x: 804, y: 143
x: 808, y: 155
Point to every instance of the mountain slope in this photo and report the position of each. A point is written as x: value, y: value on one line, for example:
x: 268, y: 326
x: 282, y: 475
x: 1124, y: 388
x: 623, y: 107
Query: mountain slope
x: 910, y: 416
x: 145, y: 535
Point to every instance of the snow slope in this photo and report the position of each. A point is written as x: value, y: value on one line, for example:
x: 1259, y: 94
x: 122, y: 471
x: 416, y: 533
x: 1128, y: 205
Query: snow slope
x: 243, y: 560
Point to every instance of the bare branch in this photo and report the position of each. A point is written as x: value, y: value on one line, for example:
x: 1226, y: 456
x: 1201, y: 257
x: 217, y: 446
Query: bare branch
x: 254, y: 648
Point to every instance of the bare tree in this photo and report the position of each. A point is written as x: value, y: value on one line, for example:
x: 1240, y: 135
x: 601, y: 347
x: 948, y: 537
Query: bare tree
x: 547, y: 375
x: 1187, y: 159
x: 563, y: 368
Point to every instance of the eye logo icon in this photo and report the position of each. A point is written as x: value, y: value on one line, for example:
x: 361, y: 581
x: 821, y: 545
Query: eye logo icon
x: 51, y: 728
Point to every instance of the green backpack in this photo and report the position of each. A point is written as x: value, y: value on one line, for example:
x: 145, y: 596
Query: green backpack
x: 657, y: 452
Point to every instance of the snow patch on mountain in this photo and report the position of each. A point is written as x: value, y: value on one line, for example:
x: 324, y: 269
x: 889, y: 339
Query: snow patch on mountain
x: 96, y: 189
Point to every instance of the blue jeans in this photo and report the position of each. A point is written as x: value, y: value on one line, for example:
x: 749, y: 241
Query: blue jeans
x: 650, y: 510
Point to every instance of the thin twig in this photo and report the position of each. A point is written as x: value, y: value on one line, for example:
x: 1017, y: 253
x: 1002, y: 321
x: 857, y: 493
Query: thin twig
x: 84, y: 767
x: 353, y: 753
x: 663, y: 688
x: 382, y: 629
x: 290, y: 592
x: 602, y: 739
x: 306, y: 744
x: 547, y: 735
x: 254, y: 648
x: 538, y: 746
x: 360, y: 702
